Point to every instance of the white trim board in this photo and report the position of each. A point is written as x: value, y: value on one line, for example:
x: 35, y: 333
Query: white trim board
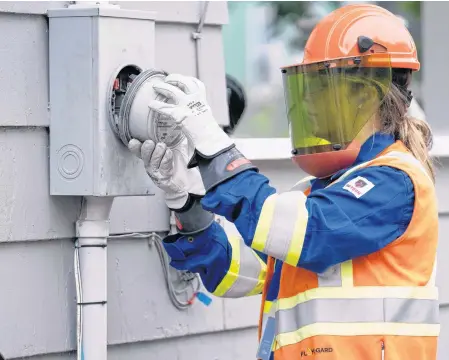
x: 279, y: 148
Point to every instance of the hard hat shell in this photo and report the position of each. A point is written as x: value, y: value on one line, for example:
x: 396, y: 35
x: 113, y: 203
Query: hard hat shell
x: 340, y: 34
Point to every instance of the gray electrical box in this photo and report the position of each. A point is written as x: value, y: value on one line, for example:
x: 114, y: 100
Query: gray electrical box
x: 92, y: 52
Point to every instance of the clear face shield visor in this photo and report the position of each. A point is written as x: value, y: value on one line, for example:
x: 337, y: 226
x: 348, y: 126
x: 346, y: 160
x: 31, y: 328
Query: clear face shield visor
x: 329, y: 103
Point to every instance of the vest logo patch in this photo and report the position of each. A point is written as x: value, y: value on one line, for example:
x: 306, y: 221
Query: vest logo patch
x: 358, y: 186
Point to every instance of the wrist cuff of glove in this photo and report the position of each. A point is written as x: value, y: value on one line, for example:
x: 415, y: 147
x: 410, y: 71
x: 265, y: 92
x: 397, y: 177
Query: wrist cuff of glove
x: 198, y: 156
x: 193, y: 220
x: 223, y: 167
x: 187, y: 205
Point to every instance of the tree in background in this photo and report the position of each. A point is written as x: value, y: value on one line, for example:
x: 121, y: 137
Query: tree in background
x: 299, y: 15
x: 412, y: 8
x: 303, y: 15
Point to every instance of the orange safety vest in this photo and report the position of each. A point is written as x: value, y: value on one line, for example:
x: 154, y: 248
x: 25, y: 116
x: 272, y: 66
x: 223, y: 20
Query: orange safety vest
x: 380, y: 306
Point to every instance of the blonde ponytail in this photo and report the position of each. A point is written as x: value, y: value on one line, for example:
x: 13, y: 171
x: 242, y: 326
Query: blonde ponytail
x: 417, y: 137
x: 414, y: 133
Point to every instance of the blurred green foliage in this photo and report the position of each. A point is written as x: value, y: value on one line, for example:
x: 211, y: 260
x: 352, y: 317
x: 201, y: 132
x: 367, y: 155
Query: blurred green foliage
x: 411, y: 8
x: 289, y: 13
x: 285, y: 13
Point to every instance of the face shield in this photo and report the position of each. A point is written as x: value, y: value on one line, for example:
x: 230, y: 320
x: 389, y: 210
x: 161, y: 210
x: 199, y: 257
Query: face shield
x: 329, y: 103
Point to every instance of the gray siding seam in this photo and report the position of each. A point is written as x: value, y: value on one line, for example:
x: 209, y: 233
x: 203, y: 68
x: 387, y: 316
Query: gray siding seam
x: 192, y: 334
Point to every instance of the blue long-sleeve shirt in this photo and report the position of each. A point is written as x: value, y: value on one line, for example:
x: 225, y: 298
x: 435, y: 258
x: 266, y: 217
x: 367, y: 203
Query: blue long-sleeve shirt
x: 340, y: 226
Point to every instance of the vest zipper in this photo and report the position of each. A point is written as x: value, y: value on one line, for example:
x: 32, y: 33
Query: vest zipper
x: 383, y: 350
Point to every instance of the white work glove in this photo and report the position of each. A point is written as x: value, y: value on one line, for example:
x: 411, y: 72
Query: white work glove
x: 167, y: 168
x: 183, y: 187
x: 215, y: 152
x: 192, y: 112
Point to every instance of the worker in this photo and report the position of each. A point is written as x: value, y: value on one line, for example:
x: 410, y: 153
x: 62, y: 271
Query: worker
x: 345, y: 261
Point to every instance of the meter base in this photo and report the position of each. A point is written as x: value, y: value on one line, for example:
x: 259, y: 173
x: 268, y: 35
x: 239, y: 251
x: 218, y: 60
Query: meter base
x: 130, y: 92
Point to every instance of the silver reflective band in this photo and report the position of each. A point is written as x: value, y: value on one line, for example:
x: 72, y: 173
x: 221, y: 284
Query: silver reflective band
x: 265, y: 316
x: 282, y: 227
x: 410, y: 159
x: 264, y: 321
x: 391, y: 310
x: 406, y: 157
x: 249, y: 271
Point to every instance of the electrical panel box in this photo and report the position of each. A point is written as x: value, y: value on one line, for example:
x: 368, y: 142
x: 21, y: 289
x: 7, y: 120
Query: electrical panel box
x: 93, y: 50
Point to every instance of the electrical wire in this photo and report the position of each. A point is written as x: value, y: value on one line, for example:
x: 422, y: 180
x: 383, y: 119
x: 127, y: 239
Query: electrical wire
x: 202, y: 18
x: 196, y: 36
x: 191, y: 281
x: 79, y: 300
x: 79, y: 294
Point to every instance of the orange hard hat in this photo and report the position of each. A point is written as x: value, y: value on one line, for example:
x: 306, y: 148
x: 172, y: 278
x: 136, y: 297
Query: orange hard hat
x: 355, y: 30
x: 345, y: 74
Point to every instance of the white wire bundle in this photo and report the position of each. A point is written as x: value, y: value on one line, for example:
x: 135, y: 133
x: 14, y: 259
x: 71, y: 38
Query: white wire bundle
x: 191, y: 280
x: 79, y: 300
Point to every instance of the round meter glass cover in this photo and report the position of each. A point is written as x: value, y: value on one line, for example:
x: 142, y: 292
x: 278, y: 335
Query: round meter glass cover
x: 167, y: 131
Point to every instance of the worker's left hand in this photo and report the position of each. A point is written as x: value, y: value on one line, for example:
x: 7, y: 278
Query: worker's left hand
x: 192, y: 112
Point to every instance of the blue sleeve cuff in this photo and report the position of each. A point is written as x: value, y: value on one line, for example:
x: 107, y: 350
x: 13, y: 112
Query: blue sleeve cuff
x: 207, y: 253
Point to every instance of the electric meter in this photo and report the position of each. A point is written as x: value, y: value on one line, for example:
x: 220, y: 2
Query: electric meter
x: 130, y: 92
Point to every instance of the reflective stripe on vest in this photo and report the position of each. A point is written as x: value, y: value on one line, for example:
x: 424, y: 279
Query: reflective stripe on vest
x: 386, y: 316
x: 409, y: 311
x: 410, y: 159
x: 282, y: 226
x: 393, y: 154
x: 268, y: 306
x: 364, y: 310
x: 246, y: 274
x: 336, y: 307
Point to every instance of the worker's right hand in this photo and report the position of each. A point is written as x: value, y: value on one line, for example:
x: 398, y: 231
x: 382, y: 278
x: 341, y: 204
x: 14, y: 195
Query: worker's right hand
x: 190, y: 110
x: 183, y: 187
x: 159, y: 164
